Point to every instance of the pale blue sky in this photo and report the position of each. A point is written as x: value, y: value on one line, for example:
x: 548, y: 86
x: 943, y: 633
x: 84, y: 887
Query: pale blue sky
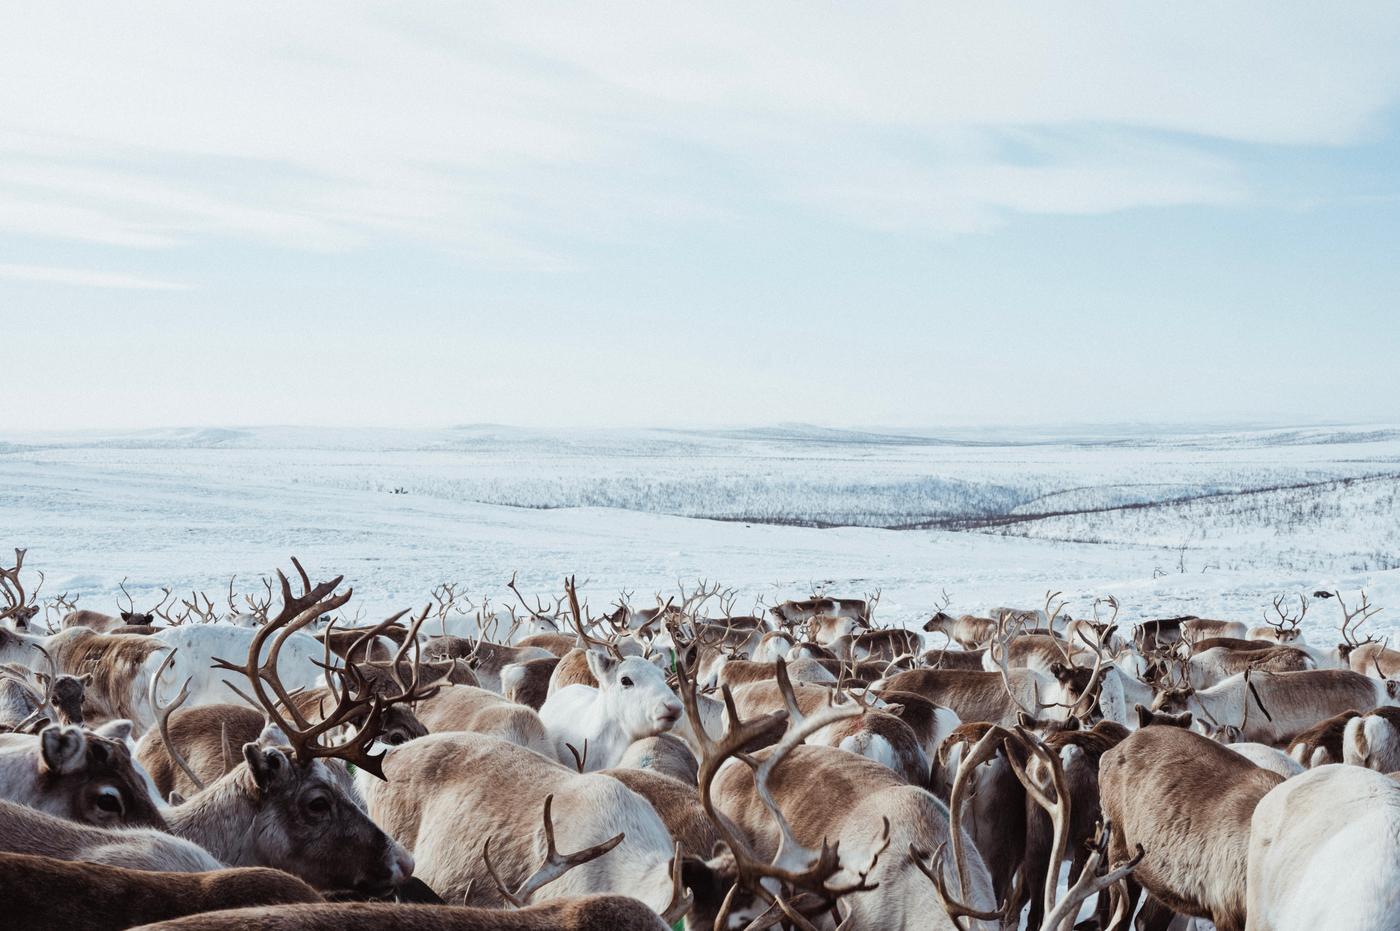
x: 698, y: 214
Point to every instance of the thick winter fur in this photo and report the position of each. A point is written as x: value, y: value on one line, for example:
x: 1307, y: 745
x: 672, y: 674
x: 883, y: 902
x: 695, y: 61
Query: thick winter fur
x: 632, y: 701
x: 666, y: 754
x: 804, y: 785
x: 1322, y: 743
x: 1080, y: 752
x: 42, y: 892
x: 572, y: 669
x: 883, y: 737
x: 952, y: 659
x: 980, y: 696
x: 1188, y: 802
x: 1295, y: 701
x: 1210, y: 667
x: 994, y: 813
x: 1325, y: 853
x: 117, y: 664
x: 272, y: 811
x: 75, y: 773
x: 24, y: 830
x: 970, y: 632
x: 1199, y: 628
x: 741, y: 672
x: 556, y: 643
x: 527, y: 683
x: 883, y: 645
x: 1373, y: 740
x: 486, y: 659
x: 448, y: 793
x: 586, y: 913
x: 1374, y: 659
x: 464, y: 708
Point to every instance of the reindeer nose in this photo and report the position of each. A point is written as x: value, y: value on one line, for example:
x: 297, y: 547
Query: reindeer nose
x: 670, y: 711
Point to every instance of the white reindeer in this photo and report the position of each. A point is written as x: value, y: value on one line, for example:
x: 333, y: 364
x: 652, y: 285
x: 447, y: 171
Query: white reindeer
x: 632, y: 701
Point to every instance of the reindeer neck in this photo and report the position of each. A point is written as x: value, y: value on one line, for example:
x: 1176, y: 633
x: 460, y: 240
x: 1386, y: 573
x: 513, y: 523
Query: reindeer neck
x: 220, y: 818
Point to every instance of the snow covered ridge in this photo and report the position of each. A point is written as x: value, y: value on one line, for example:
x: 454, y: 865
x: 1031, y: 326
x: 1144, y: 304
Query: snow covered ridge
x: 1209, y: 522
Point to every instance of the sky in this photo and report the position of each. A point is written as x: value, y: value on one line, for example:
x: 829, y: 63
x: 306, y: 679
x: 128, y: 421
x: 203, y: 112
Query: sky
x: 658, y: 214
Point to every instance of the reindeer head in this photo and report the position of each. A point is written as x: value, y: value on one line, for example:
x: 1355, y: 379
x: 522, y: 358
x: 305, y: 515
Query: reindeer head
x: 635, y: 694
x: 1148, y: 717
x: 307, y: 824
x: 87, y: 777
x: 1174, y: 700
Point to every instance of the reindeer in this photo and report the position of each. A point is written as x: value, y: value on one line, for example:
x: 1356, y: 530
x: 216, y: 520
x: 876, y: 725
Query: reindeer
x: 45, y: 892
x: 1047, y: 790
x: 666, y: 754
x: 885, y: 645
x: 441, y: 782
x: 781, y: 821
x: 1334, y: 864
x: 77, y: 774
x: 997, y: 825
x: 968, y: 631
x: 1273, y: 708
x: 24, y: 830
x: 463, y: 708
x: 17, y: 608
x: 281, y: 806
x: 1322, y: 743
x: 1199, y: 628
x: 1207, y: 668
x: 586, y: 913
x: 632, y: 701
x: 1372, y: 740
x: 1187, y: 801
x: 527, y: 683
x: 1286, y: 628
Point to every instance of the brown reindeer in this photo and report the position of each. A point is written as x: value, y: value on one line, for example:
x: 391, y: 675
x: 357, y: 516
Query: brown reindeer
x: 1187, y: 801
x: 25, y: 830
x: 527, y: 683
x: 968, y: 631
x: 587, y: 913
x: 1322, y: 743
x: 42, y: 892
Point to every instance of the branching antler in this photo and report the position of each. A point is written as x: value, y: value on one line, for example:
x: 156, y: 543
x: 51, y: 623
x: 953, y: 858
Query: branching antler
x: 1352, y: 619
x: 355, y: 699
x: 1286, y: 622
x: 17, y: 606
x: 555, y: 864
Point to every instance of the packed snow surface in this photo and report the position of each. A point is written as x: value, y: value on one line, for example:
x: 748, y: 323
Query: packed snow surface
x: 1214, y: 523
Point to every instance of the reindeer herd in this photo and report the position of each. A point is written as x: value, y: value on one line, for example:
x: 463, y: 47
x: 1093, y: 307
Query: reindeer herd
x: 281, y: 765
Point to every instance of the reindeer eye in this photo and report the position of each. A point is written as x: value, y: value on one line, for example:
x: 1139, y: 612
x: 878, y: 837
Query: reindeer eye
x: 320, y: 805
x: 627, y: 682
x: 110, y: 801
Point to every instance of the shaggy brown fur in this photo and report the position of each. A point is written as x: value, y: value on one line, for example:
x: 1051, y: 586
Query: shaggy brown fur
x: 587, y: 913
x: 528, y: 683
x: 41, y: 893
x: 113, y: 661
x: 1188, y: 801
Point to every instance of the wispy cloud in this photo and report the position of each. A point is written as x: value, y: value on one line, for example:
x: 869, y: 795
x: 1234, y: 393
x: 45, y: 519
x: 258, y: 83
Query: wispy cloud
x: 506, y: 132
x: 83, y: 278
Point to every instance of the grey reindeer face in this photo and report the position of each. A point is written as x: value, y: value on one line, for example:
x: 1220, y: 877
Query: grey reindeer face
x: 308, y: 825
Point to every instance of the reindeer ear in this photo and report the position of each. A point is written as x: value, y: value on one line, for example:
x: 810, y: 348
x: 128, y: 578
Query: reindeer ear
x: 62, y: 750
x: 1072, y: 723
x: 1145, y: 716
x: 85, y: 679
x: 119, y: 729
x: 127, y: 616
x: 1025, y: 720
x: 1392, y: 688
x: 175, y: 798
x: 266, y: 764
x: 602, y: 666
x: 1060, y: 671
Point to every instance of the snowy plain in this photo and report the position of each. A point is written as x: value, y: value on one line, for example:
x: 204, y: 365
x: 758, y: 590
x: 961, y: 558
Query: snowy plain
x: 1214, y: 523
